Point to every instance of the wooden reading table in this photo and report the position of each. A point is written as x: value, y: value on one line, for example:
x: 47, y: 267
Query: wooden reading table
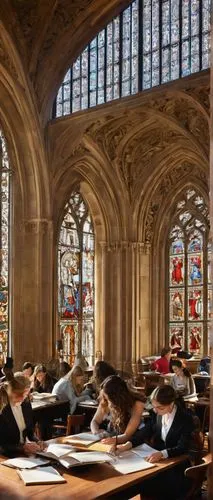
x: 90, y: 482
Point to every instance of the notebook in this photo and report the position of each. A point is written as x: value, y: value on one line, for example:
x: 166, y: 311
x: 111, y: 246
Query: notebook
x: 41, y: 475
x: 84, y: 439
x: 24, y: 462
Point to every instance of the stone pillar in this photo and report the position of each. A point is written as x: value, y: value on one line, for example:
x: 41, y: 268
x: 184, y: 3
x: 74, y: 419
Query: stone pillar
x: 124, y: 304
x: 32, y: 305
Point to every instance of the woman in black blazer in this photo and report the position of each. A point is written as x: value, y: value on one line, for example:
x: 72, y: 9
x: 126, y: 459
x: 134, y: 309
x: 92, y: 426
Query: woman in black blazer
x: 16, y: 417
x: 168, y: 431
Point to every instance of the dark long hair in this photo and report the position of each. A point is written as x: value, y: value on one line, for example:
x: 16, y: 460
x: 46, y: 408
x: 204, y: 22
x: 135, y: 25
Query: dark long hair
x: 102, y: 370
x: 179, y: 364
x: 121, y: 399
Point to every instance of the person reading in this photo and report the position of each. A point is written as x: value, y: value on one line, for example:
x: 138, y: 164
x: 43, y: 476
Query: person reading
x: 162, y: 364
x: 43, y: 382
x: 16, y: 417
x: 182, y: 380
x: 122, y: 408
x: 71, y: 387
x: 169, y: 431
x: 101, y: 371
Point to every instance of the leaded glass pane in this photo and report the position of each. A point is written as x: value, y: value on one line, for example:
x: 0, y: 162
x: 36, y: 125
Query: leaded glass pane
x: 4, y: 242
x: 190, y: 289
x: 176, y: 337
x: 151, y: 42
x: 76, y: 280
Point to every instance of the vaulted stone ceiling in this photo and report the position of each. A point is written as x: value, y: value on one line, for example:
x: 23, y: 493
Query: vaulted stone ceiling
x: 49, y: 34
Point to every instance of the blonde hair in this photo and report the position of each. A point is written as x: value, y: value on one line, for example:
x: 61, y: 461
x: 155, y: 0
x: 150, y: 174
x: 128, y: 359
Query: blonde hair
x: 17, y: 382
x: 72, y: 375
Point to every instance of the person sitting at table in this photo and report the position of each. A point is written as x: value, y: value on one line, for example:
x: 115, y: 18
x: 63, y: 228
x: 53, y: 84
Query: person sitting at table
x: 28, y: 369
x: 64, y: 368
x: 16, y: 417
x: 43, y: 382
x: 71, y: 387
x: 169, y: 431
x: 122, y: 407
x: 161, y: 365
x: 101, y: 371
x: 182, y: 380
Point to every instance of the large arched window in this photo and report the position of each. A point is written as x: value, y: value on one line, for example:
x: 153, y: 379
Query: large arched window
x: 76, y: 281
x: 4, y: 249
x: 190, y: 291
x: 149, y: 43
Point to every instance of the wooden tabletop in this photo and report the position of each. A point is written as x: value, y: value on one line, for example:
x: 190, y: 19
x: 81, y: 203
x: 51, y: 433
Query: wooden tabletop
x: 84, y: 483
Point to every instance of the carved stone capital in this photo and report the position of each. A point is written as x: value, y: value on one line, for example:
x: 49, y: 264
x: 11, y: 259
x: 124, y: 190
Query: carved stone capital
x: 119, y: 246
x: 38, y: 226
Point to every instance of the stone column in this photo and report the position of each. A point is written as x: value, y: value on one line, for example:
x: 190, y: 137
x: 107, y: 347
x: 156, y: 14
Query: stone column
x: 32, y: 305
x: 125, y: 304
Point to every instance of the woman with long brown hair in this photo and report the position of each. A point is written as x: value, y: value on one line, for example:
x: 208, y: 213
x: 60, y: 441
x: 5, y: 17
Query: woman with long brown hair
x: 122, y: 407
x: 71, y: 387
x: 16, y: 417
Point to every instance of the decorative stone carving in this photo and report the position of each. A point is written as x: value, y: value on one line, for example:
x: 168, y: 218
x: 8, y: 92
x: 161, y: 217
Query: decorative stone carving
x: 118, y: 246
x: 36, y: 226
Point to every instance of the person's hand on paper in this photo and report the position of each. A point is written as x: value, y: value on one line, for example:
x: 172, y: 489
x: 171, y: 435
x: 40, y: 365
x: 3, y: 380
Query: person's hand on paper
x: 109, y: 440
x: 155, y: 457
x: 31, y: 447
x: 42, y: 445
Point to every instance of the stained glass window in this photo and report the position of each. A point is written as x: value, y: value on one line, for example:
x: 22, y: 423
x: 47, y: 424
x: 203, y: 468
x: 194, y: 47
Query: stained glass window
x: 190, y: 289
x: 4, y: 250
x: 76, y: 281
x: 151, y: 42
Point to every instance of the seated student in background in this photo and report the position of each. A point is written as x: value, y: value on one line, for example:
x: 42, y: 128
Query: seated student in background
x: 16, y: 417
x: 71, y: 387
x: 43, y: 382
x: 162, y: 364
x: 168, y: 431
x: 64, y: 368
x: 101, y: 371
x: 28, y: 369
x: 182, y: 380
x: 122, y: 407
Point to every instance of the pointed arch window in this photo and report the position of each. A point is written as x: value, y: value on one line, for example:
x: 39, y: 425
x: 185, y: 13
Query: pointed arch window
x: 76, y: 280
x: 151, y: 42
x: 5, y: 187
x: 190, y: 288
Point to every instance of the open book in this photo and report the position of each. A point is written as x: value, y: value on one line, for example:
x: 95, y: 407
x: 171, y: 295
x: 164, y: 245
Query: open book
x: 56, y: 451
x: 37, y: 396
x: 83, y: 440
x: 41, y: 475
x: 24, y: 462
x: 85, y: 458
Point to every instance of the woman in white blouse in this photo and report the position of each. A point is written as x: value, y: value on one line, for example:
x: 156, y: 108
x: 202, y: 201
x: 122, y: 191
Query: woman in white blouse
x: 169, y: 432
x: 16, y: 417
x: 182, y: 380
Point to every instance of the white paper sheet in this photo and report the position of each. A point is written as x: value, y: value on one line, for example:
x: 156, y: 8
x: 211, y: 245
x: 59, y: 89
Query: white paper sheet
x: 45, y: 475
x: 24, y: 462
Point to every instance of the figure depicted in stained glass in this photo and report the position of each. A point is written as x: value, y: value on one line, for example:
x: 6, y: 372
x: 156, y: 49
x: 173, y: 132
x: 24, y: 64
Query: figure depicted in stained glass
x: 195, y: 304
x: 195, y: 245
x: 176, y: 339
x: 76, y: 279
x: 177, y: 274
x: 177, y: 247
x: 177, y: 305
x: 195, y: 273
x: 195, y: 339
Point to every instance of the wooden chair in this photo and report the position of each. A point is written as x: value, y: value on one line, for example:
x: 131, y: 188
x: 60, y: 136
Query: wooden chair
x: 74, y: 425
x: 197, y: 474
